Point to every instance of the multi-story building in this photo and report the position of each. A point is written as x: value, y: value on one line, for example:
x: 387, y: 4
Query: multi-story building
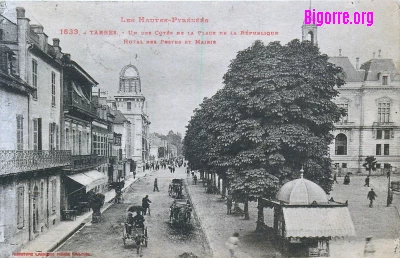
x: 131, y: 102
x: 123, y: 144
x: 371, y: 126
x: 31, y: 161
x: 84, y: 133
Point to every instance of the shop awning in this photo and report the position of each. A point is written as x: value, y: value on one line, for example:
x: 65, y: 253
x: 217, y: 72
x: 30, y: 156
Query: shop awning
x: 318, y: 222
x: 89, y: 179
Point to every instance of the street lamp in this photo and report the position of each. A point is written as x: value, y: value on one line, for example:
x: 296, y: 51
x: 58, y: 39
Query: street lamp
x: 390, y: 193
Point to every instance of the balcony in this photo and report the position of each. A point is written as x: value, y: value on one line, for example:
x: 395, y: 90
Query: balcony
x: 383, y: 124
x: 77, y: 105
x: 12, y: 162
x: 82, y: 162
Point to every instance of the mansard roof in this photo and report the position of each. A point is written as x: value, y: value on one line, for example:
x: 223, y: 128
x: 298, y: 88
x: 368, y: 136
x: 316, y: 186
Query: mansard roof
x: 352, y: 75
x: 375, y: 66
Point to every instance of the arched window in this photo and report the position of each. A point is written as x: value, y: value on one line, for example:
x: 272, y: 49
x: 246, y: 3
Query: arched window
x: 341, y: 144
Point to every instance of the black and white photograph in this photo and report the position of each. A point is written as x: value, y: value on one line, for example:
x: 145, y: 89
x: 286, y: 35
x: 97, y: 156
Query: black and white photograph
x: 200, y: 129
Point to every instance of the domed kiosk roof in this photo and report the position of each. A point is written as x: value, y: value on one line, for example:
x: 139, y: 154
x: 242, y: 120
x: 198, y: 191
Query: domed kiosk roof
x: 301, y: 192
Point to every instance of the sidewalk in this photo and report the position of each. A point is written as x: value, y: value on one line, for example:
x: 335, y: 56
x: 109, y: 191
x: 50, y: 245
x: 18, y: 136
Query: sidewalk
x: 218, y: 226
x: 50, y: 240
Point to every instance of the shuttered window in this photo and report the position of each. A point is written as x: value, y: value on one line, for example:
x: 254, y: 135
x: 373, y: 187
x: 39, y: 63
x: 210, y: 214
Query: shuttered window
x: 20, y: 132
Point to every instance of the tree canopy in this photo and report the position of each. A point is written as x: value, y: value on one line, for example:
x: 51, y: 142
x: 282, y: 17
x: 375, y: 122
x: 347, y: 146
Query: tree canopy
x: 273, y: 116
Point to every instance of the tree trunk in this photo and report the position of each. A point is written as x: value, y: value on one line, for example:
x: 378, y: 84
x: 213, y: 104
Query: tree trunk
x: 260, y: 219
x: 246, y: 209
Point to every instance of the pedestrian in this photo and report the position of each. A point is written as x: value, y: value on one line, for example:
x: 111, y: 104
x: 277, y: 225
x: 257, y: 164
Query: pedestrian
x: 233, y: 244
x: 335, y: 179
x: 390, y: 197
x: 134, y: 174
x: 371, y: 196
x: 146, y: 204
x: 155, y: 185
x: 366, y: 181
x: 346, y: 179
x: 195, y: 179
x: 229, y: 204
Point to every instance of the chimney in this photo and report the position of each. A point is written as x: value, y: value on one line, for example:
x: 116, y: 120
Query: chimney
x: 357, y: 63
x: 20, y: 12
x: 379, y: 53
x: 340, y: 52
x: 23, y: 32
x: 57, y: 48
x: 38, y: 30
x: 67, y: 57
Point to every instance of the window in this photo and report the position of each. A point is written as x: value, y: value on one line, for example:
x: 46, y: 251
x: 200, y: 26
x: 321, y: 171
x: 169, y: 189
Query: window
x: 95, y: 144
x: 20, y: 207
x: 129, y: 105
x: 53, y: 89
x: 383, y: 112
x: 378, y: 149
x: 387, y: 134
x: 87, y: 143
x: 53, y: 196
x: 34, y: 77
x: 385, y: 80
x: 379, y: 134
x: 341, y: 144
x: 20, y: 132
x: 344, y: 165
x: 386, y: 149
x: 37, y: 134
x: 67, y: 139
x: 80, y: 142
x: 345, y: 118
x: 378, y: 165
x: 73, y: 142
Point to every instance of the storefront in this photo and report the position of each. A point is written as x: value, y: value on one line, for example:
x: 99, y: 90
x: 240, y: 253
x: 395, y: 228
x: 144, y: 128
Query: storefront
x: 76, y: 187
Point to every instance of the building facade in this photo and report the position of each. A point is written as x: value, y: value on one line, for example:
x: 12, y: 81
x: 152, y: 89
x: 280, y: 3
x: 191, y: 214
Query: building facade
x: 371, y: 126
x: 31, y: 159
x: 132, y: 103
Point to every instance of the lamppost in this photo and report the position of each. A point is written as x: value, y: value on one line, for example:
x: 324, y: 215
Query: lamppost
x: 390, y: 193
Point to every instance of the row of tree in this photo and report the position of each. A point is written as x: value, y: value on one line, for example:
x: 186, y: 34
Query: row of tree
x: 273, y: 116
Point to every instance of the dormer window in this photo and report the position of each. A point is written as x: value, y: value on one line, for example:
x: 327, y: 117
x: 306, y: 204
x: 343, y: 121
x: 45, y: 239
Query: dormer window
x: 384, y: 80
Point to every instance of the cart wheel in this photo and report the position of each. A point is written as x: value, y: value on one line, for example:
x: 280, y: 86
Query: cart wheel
x: 145, y: 242
x: 145, y: 232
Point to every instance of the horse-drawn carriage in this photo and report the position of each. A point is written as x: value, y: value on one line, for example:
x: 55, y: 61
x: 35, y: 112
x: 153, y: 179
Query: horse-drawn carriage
x: 180, y: 212
x: 134, y: 230
x: 175, y: 188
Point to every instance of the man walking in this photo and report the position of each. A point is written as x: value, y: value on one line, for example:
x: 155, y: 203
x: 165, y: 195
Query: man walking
x: 229, y: 204
x: 371, y: 196
x: 146, y: 204
x: 366, y: 181
x: 155, y: 185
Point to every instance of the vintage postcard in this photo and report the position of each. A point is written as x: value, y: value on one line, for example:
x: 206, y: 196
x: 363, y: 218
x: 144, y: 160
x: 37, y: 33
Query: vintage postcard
x: 200, y: 128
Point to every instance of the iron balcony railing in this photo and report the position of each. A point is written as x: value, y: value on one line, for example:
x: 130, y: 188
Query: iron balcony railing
x: 74, y: 101
x: 15, y: 161
x: 81, y: 162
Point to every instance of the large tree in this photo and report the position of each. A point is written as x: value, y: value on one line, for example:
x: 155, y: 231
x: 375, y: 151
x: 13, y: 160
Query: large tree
x: 273, y: 116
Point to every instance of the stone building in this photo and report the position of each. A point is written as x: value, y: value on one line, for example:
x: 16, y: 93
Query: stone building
x: 31, y: 159
x: 372, y: 124
x: 132, y: 103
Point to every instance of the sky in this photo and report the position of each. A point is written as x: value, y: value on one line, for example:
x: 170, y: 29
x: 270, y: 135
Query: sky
x: 176, y: 77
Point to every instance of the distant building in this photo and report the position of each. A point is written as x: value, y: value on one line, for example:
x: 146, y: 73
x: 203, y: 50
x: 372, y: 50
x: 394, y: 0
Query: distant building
x: 131, y: 102
x: 123, y: 131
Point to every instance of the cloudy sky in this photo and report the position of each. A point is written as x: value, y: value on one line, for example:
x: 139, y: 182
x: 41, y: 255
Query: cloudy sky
x: 176, y: 77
